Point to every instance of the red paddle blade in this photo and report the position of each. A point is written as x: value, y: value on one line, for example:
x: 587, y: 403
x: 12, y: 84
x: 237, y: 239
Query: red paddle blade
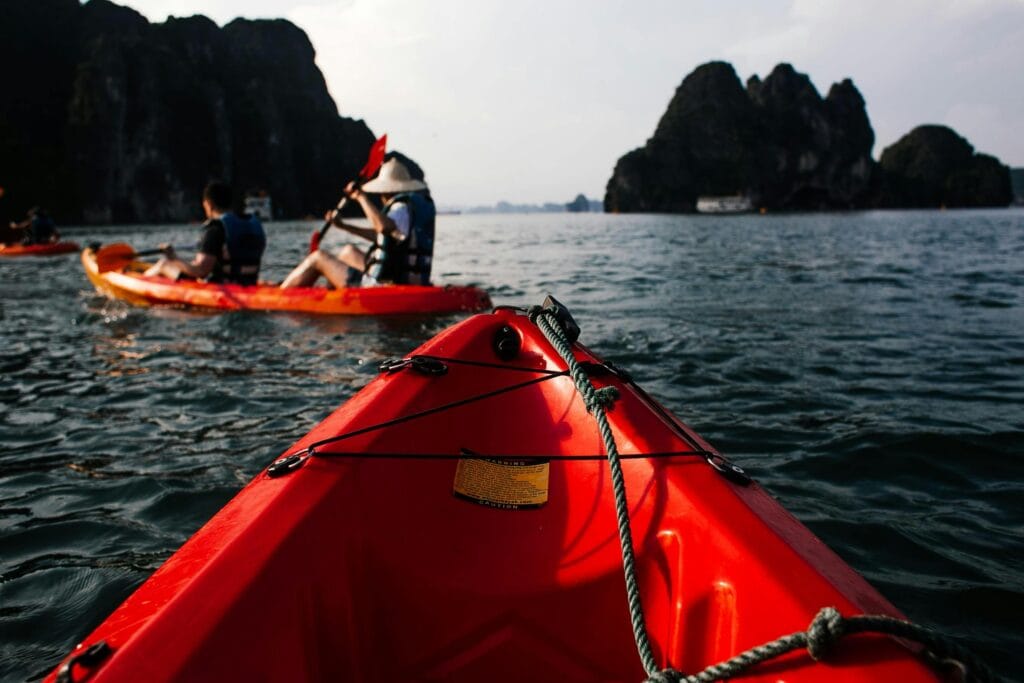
x: 114, y: 257
x: 314, y: 242
x: 375, y: 158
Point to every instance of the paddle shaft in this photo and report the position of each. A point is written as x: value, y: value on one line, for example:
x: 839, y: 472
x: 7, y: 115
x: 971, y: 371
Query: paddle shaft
x: 97, y: 246
x: 150, y: 252
x: 330, y: 221
x: 373, y: 164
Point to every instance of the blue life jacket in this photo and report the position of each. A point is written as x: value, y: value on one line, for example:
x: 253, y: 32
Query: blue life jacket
x: 42, y: 229
x: 244, y: 242
x: 405, y: 262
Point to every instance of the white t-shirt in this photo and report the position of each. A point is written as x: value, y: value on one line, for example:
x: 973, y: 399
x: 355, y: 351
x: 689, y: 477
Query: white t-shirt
x: 400, y: 214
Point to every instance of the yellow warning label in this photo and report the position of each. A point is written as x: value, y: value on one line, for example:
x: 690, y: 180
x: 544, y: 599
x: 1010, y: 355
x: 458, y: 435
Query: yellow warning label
x: 505, y: 484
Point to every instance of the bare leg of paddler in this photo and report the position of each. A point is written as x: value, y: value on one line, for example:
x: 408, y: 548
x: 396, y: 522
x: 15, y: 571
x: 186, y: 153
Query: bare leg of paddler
x: 335, y: 269
x: 304, y: 274
x: 164, y: 267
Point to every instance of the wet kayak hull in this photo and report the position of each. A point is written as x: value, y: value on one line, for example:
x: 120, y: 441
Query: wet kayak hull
x: 128, y: 284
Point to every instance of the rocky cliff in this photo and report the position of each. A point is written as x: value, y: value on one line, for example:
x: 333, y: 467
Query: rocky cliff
x: 784, y: 146
x: 932, y: 166
x: 109, y: 118
x: 777, y: 141
x: 1017, y: 182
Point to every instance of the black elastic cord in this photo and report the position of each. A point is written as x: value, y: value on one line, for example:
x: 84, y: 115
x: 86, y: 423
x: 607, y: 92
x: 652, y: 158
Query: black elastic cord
x: 504, y: 456
x: 314, y: 448
x: 432, y: 411
x: 659, y: 409
x: 485, y: 364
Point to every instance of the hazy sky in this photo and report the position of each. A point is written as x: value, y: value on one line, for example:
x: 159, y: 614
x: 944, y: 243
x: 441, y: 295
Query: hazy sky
x: 535, y: 100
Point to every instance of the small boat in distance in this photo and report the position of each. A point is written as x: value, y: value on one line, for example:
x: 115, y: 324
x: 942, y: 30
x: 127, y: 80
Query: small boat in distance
x: 257, y: 203
x: 731, y: 204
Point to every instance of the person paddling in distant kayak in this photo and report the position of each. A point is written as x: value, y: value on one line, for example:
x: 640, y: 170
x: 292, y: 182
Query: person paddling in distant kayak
x: 8, y: 235
x: 230, y: 249
x: 402, y: 236
x: 39, y: 226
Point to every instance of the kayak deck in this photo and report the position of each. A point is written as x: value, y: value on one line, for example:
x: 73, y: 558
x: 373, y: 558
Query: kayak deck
x: 128, y: 284
x: 367, y: 561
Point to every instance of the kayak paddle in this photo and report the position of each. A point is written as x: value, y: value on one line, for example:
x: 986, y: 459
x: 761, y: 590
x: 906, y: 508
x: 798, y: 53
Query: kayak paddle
x: 115, y: 256
x: 373, y: 163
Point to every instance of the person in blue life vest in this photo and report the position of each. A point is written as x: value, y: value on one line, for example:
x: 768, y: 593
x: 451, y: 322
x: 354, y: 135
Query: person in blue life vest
x: 230, y: 249
x: 402, y: 237
x: 39, y: 227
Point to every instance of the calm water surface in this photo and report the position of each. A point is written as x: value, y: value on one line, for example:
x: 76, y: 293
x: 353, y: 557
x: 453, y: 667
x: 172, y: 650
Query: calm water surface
x: 868, y: 369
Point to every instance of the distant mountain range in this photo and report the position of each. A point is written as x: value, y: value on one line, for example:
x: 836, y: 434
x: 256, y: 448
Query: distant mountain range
x: 580, y: 204
x: 108, y: 118
x: 779, y: 143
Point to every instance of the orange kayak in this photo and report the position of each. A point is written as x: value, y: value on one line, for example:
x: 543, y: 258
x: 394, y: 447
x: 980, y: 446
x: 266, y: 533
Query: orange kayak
x: 123, y: 279
x: 457, y: 520
x: 38, y: 249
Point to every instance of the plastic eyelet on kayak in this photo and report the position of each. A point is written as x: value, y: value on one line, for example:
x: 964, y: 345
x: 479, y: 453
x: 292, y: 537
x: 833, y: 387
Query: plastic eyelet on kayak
x: 286, y: 465
x: 422, y: 364
x: 393, y: 364
x: 618, y: 372
x: 606, y: 368
x: 506, y: 343
x: 563, y: 316
x: 428, y: 366
x: 733, y: 473
x: 93, y: 655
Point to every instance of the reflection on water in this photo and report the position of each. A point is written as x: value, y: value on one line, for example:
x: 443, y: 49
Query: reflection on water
x: 868, y: 369
x: 118, y: 355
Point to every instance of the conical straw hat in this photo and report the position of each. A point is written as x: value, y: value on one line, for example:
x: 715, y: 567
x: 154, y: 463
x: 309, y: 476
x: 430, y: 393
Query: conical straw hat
x: 394, y: 177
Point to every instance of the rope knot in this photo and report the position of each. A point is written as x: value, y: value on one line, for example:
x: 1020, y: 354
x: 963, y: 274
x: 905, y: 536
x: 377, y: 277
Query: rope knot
x: 601, y: 398
x: 665, y: 676
x: 534, y: 312
x: 827, y: 627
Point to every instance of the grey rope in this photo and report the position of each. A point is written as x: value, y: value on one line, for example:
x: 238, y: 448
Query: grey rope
x: 828, y: 626
x: 596, y: 400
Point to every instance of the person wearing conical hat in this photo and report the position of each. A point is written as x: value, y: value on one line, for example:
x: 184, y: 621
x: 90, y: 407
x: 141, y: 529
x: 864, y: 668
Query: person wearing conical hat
x: 401, y: 236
